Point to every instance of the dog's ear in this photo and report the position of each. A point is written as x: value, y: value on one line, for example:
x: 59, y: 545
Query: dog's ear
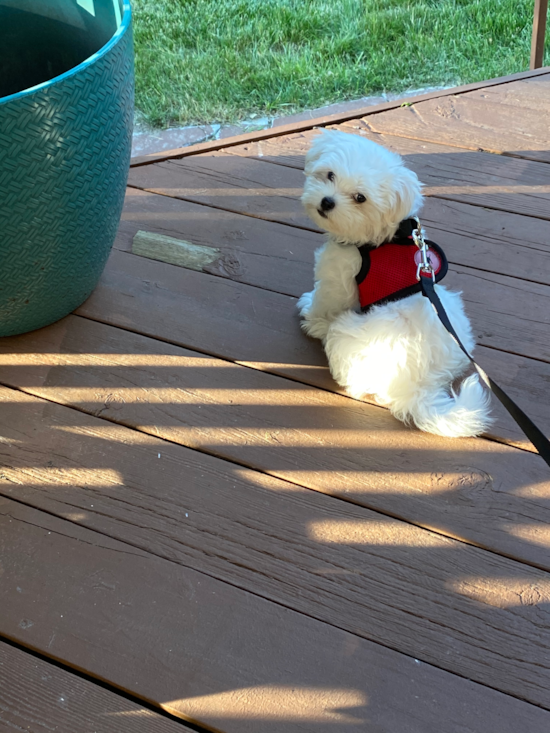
x: 322, y: 143
x: 407, y: 193
x: 314, y: 152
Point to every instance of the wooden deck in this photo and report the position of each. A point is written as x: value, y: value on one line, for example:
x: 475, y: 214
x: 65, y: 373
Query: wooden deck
x: 198, y: 531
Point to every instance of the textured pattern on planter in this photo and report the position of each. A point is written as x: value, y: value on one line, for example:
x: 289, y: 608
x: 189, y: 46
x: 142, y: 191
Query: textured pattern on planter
x: 64, y: 159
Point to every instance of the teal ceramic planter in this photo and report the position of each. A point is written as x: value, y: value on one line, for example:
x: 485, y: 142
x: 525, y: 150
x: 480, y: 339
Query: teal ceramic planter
x: 66, y: 115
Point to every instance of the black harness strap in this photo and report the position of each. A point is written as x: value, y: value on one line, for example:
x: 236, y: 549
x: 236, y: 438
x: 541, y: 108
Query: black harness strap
x: 537, y: 438
x: 405, y: 230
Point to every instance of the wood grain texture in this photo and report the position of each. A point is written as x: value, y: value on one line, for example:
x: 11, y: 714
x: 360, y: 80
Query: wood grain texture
x: 279, y: 258
x: 208, y: 538
x: 44, y: 363
x: 213, y: 145
x: 526, y: 381
x: 437, y: 599
x: 507, y: 121
x: 322, y: 441
x: 539, y: 33
x: 515, y: 190
x: 494, y: 181
x: 212, y: 314
x: 209, y: 652
x: 508, y: 314
x: 231, y: 183
x: 489, y: 240
x: 531, y: 94
x: 182, y: 307
x: 253, y: 251
x: 174, y: 251
x: 36, y: 696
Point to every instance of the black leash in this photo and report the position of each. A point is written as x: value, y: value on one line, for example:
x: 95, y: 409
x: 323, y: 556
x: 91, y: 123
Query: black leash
x: 537, y: 438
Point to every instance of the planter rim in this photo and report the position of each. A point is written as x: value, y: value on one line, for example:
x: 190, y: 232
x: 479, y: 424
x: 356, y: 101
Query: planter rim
x: 125, y: 22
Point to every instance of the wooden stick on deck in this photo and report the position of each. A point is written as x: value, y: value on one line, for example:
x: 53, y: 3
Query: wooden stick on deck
x: 539, y: 31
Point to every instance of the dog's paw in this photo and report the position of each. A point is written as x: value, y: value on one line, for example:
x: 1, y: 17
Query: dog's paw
x: 304, y: 304
x: 312, y: 325
x: 317, y: 328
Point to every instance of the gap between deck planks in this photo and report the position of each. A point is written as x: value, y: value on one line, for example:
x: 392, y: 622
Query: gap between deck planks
x: 483, y: 493
x: 36, y: 696
x: 441, y: 601
x: 206, y: 651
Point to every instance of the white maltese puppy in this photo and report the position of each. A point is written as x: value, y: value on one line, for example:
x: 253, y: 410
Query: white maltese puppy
x: 382, y: 337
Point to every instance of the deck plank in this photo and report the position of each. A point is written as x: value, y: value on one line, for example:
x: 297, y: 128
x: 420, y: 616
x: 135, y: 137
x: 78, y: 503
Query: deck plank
x: 230, y: 183
x: 36, y: 696
x: 506, y: 313
x: 528, y: 93
x: 489, y: 240
x: 442, y: 601
x: 481, y: 119
x: 209, y: 652
x: 185, y: 308
x: 320, y: 440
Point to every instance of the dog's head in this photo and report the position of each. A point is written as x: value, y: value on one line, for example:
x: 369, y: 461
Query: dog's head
x: 357, y: 190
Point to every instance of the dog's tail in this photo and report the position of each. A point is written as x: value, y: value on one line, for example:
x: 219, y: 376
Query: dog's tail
x: 452, y: 415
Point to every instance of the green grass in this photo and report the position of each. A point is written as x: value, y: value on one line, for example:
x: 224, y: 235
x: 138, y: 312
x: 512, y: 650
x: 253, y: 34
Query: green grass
x: 223, y: 60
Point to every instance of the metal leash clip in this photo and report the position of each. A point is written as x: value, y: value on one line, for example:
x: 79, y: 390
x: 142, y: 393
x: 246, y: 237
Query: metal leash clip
x: 424, y: 265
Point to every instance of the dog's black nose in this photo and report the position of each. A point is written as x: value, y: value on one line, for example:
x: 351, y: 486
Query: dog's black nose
x: 327, y: 204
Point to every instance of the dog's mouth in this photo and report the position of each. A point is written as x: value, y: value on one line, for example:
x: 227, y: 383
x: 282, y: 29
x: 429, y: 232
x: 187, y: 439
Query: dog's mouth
x: 322, y: 213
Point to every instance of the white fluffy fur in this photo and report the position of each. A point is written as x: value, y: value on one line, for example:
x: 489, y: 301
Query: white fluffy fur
x: 398, y: 352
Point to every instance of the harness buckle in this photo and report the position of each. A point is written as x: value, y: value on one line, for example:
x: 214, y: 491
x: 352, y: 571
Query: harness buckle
x: 425, y: 265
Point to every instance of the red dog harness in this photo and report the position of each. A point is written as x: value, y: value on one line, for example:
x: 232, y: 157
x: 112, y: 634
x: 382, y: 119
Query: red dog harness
x: 388, y: 272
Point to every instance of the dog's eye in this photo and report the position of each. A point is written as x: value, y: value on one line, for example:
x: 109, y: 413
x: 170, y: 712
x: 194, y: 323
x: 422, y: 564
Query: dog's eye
x: 360, y: 198
x: 331, y: 176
